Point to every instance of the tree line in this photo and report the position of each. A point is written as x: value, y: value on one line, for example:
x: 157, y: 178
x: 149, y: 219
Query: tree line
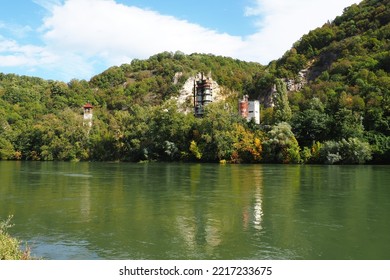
x: 340, y: 115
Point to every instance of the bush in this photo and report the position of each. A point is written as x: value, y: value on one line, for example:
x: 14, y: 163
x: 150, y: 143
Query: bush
x: 351, y: 151
x: 306, y: 155
x: 281, y: 145
x: 9, y: 246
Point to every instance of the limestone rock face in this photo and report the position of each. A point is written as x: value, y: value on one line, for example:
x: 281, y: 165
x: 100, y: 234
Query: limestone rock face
x: 299, y: 83
x: 177, y: 76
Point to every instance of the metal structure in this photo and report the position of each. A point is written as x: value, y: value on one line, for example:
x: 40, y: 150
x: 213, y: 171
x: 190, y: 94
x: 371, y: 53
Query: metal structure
x: 203, y: 94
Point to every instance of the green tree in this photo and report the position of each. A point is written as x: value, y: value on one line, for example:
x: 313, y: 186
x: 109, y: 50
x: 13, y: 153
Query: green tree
x: 351, y: 151
x: 248, y: 145
x: 7, y: 150
x: 169, y: 132
x: 312, y: 124
x: 281, y: 145
x: 347, y: 124
x: 282, y: 110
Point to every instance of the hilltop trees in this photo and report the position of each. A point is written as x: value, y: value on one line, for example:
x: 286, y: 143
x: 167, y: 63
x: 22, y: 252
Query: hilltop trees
x: 346, y: 99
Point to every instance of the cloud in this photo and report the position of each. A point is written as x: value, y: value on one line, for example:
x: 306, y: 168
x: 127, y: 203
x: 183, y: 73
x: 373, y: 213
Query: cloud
x: 81, y: 38
x: 117, y: 33
x: 88, y: 36
x: 113, y: 32
x: 15, y: 30
x: 14, y: 55
x: 283, y: 22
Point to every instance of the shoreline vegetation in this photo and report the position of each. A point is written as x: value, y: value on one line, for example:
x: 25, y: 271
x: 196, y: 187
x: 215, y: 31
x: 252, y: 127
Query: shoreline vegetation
x: 10, y: 247
x: 325, y: 101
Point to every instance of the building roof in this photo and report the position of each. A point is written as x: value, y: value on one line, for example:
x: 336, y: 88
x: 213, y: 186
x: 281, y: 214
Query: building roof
x: 87, y: 106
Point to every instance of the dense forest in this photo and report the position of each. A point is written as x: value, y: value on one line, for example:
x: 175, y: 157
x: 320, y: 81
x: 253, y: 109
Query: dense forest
x: 326, y: 100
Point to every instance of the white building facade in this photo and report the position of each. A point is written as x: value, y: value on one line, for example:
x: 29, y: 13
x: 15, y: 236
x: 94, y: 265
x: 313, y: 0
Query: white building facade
x: 249, y: 109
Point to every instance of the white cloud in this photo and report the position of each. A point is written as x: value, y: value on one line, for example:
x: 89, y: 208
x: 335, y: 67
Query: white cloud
x: 113, y: 31
x: 83, y: 37
x: 14, y: 55
x: 16, y: 30
x: 31, y: 59
x: 282, y: 22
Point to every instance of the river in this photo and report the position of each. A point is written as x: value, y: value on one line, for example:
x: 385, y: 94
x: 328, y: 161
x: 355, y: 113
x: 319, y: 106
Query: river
x: 88, y: 211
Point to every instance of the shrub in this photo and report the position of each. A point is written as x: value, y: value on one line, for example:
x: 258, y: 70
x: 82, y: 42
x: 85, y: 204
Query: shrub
x: 351, y: 151
x: 9, y: 246
x: 281, y: 145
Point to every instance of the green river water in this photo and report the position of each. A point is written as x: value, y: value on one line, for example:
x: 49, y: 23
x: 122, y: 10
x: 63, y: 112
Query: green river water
x: 111, y: 211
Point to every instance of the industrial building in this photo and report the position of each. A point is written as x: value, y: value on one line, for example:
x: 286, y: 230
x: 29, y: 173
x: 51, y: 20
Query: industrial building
x: 249, y: 109
x: 203, y: 94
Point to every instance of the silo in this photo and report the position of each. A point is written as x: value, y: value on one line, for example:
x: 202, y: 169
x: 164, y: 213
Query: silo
x: 202, y: 94
x: 243, y: 107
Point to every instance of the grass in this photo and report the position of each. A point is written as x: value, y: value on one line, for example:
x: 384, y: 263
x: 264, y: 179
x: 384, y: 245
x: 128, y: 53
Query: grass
x: 9, y: 246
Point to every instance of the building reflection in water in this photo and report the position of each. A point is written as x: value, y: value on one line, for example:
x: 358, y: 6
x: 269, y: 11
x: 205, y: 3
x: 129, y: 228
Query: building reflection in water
x: 83, y: 176
x: 85, y: 201
x: 203, y: 225
x: 253, y: 209
x: 198, y: 225
x: 258, y: 210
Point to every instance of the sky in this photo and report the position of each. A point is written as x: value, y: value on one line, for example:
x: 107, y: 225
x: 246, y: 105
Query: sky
x: 77, y: 39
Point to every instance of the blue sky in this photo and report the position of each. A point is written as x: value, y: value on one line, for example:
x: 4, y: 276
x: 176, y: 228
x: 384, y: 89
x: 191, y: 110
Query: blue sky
x: 223, y: 16
x: 66, y: 39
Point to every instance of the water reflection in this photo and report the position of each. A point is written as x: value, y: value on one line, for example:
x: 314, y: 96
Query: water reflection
x: 258, y: 211
x: 197, y: 211
x: 217, y: 205
x: 75, y: 250
x: 85, y: 193
x: 253, y: 210
x: 200, y: 229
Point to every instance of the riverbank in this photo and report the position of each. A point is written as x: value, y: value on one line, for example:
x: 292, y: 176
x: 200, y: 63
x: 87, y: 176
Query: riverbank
x: 9, y: 246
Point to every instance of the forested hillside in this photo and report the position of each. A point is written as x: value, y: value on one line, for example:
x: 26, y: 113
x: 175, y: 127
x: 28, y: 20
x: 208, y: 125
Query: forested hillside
x: 325, y: 101
x: 135, y: 117
x: 345, y: 98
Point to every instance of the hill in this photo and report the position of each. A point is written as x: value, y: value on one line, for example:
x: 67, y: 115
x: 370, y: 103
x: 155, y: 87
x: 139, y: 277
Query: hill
x: 162, y: 76
x: 325, y: 101
x: 338, y: 79
x: 42, y: 120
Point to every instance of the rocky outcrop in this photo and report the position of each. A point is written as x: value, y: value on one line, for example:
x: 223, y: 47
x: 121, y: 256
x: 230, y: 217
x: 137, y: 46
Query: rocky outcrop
x: 298, y: 83
x: 177, y: 76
